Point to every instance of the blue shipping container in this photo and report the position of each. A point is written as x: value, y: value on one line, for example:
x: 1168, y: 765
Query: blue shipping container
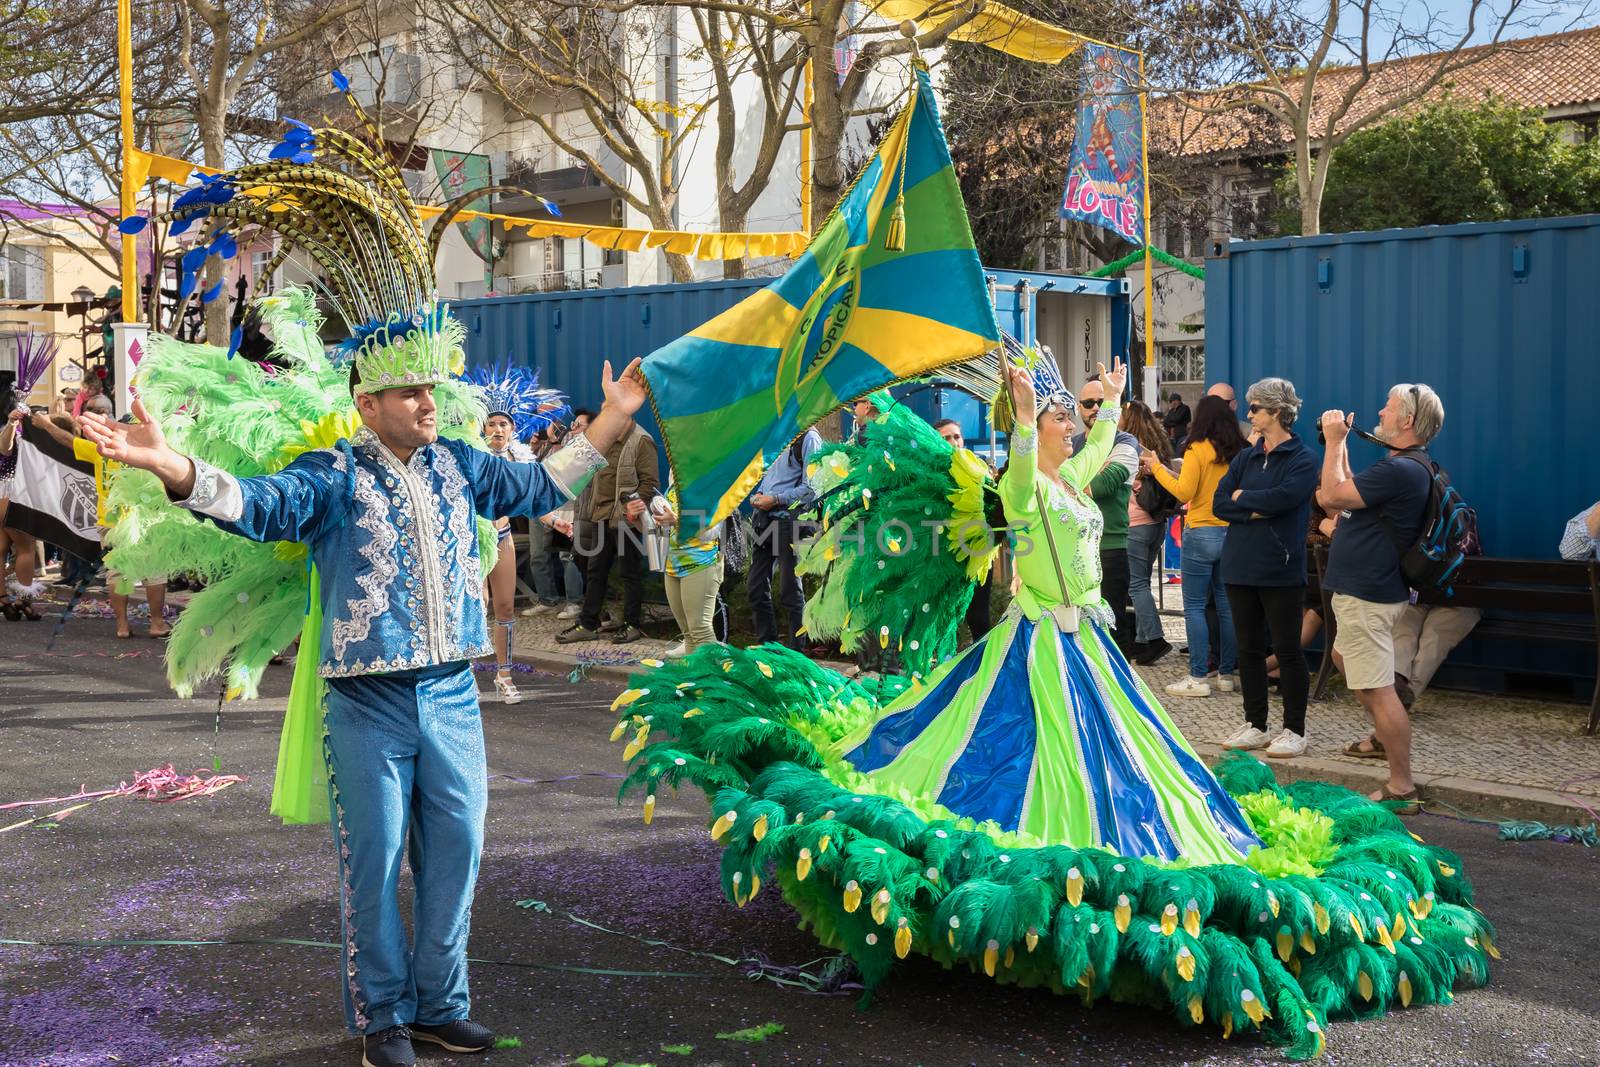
x: 567, y: 335
x: 1500, y: 318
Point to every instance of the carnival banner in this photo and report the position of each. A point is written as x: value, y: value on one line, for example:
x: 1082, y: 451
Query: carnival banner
x: 53, y: 495
x: 889, y: 288
x: 458, y: 172
x: 1105, y: 175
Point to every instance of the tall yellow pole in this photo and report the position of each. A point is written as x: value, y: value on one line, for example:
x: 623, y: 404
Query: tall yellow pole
x: 130, y: 245
x: 1149, y: 281
x: 805, y: 151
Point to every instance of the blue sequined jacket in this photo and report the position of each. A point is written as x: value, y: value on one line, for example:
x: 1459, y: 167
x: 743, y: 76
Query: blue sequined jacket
x: 395, y: 543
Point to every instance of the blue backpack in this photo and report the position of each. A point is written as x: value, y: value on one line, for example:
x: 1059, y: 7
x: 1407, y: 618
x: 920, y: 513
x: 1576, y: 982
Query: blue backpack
x: 1432, y: 561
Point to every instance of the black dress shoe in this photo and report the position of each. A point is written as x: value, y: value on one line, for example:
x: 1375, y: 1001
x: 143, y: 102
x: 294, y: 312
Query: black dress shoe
x: 389, y: 1047
x: 458, y: 1035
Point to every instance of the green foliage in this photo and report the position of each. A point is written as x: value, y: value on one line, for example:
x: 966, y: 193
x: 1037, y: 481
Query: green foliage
x: 1454, y: 161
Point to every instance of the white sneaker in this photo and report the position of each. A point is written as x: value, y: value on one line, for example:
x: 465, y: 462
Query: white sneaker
x: 538, y: 609
x: 677, y: 650
x: 1189, y: 687
x: 571, y: 611
x: 1247, y: 737
x: 1223, y: 682
x: 1287, y: 745
x: 507, y: 690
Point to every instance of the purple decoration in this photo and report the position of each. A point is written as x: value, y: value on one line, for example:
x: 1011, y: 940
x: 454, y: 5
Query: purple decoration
x: 35, y: 353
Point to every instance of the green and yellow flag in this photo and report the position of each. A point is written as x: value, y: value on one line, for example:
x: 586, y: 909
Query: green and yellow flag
x: 889, y: 289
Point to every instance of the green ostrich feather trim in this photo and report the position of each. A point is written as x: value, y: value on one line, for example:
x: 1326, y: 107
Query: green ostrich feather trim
x: 1341, y: 913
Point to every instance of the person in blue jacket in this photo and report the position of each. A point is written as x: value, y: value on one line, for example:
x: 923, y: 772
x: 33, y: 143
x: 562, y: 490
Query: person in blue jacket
x: 1266, y: 499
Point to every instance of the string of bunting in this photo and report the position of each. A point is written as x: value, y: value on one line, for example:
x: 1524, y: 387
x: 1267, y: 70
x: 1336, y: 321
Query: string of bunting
x: 143, y: 166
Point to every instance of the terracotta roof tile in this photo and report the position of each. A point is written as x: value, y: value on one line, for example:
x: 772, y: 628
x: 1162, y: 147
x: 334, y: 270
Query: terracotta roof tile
x: 1553, y: 71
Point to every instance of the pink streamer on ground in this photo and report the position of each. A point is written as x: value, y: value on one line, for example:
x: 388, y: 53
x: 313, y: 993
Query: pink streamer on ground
x: 161, y: 784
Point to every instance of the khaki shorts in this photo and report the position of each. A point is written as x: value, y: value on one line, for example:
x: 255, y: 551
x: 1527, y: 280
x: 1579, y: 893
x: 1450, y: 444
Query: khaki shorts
x: 1365, y: 640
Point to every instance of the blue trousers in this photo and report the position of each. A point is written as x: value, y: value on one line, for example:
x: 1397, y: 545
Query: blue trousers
x: 1202, y: 576
x: 406, y: 772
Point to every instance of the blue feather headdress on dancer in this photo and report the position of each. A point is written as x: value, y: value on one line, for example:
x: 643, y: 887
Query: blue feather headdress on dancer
x: 514, y: 391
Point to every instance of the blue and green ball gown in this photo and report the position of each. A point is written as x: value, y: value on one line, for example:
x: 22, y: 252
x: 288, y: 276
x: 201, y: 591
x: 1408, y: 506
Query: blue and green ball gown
x: 1026, y: 808
x: 1043, y: 727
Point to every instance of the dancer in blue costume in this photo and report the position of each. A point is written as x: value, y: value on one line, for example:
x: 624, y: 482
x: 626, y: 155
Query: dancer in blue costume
x: 389, y: 517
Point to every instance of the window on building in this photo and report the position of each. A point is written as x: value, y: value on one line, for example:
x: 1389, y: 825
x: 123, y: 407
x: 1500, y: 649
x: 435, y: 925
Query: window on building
x: 21, y: 272
x: 261, y: 283
x: 1182, y: 362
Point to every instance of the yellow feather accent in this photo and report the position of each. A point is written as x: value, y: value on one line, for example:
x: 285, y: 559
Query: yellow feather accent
x: 852, y: 896
x: 1285, y: 944
x: 1364, y: 985
x: 1196, y: 1008
x: 1308, y: 944
x: 758, y: 829
x: 1185, y: 965
x: 802, y: 866
x: 723, y: 825
x: 991, y: 956
x: 628, y: 696
x: 1123, y: 913
x: 1191, y: 919
x: 1403, y: 984
x: 1322, y: 919
x: 1169, y: 920
x: 880, y: 906
x: 1032, y: 938
x: 1074, y: 887
x: 1252, y: 1006
x: 649, y: 808
x: 902, y: 940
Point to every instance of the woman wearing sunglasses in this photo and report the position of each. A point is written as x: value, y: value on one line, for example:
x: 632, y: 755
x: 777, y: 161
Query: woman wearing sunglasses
x: 1266, y: 499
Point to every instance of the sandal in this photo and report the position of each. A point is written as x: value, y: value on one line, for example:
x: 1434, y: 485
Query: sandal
x: 1407, y: 803
x: 1374, y: 749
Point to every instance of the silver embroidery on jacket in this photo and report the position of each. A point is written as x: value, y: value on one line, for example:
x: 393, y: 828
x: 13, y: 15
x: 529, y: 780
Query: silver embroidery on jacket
x: 379, y: 552
x: 455, y: 502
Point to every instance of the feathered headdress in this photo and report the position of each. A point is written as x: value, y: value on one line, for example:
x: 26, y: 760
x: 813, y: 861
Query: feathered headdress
x: 513, y: 391
x: 337, y: 197
x: 1048, y: 386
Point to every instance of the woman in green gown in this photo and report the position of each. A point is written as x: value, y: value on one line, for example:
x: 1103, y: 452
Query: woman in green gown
x: 1042, y: 727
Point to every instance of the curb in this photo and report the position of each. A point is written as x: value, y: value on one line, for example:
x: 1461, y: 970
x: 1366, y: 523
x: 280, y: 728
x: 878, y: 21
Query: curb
x: 1489, y: 800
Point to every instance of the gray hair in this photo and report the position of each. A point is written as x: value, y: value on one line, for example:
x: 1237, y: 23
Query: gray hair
x: 1424, y: 407
x: 100, y: 405
x: 1278, y: 395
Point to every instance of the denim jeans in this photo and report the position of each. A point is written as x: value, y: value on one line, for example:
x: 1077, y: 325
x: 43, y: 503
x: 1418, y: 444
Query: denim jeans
x: 571, y: 577
x: 1202, y: 574
x: 541, y: 563
x: 1144, y: 544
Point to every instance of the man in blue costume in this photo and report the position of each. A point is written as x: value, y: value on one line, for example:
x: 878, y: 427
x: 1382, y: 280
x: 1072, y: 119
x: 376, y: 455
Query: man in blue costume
x: 390, y: 520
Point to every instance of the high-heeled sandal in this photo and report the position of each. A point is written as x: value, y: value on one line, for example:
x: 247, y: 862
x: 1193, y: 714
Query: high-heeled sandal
x: 9, y: 608
x: 29, y: 612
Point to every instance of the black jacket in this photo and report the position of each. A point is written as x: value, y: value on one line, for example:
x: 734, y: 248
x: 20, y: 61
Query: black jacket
x: 1278, y: 486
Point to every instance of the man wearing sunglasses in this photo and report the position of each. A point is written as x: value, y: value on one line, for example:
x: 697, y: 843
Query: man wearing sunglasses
x: 1111, y: 489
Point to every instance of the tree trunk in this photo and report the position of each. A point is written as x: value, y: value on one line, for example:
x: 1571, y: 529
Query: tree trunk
x: 212, y: 141
x: 733, y: 219
x: 681, y: 266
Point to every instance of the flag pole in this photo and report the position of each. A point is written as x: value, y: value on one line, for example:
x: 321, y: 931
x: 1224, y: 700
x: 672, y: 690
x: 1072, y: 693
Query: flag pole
x: 1151, y: 386
x: 130, y: 246
x: 129, y: 334
x: 805, y: 150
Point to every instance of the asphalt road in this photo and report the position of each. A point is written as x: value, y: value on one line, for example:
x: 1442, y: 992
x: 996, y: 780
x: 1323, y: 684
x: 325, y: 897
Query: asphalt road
x: 220, y: 868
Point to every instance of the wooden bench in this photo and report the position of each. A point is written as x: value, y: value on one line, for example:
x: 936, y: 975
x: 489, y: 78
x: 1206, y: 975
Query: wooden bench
x: 1547, y: 601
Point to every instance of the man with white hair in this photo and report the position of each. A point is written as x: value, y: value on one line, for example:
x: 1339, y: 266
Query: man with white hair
x: 1384, y: 509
